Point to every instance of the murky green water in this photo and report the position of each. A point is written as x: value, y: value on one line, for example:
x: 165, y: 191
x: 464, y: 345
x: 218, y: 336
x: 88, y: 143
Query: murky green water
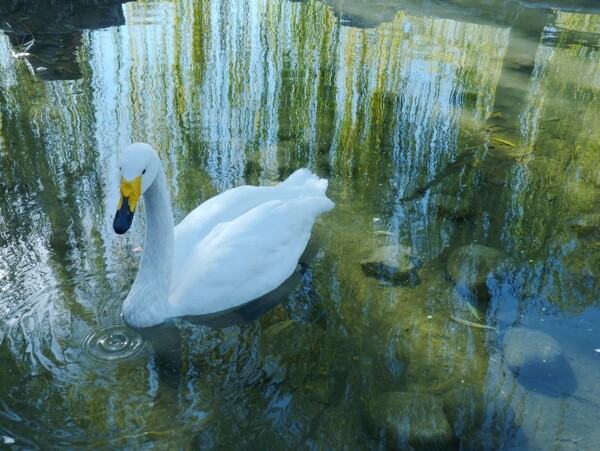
x: 438, y: 124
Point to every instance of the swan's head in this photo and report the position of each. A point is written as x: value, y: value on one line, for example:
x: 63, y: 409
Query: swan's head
x: 139, y: 167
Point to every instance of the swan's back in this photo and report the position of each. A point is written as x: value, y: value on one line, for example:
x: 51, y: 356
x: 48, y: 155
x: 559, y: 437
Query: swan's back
x: 244, y: 243
x: 235, y: 202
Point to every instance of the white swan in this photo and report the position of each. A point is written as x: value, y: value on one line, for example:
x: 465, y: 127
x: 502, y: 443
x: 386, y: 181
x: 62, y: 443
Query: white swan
x: 230, y: 250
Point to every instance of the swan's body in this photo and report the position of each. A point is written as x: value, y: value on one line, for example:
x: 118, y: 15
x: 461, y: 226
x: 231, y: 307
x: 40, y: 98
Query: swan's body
x: 232, y: 249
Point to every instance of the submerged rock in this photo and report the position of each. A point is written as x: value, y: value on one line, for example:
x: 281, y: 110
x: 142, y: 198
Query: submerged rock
x: 531, y: 353
x: 453, y: 207
x: 407, y: 420
x: 538, y: 362
x: 392, y: 264
x: 469, y: 267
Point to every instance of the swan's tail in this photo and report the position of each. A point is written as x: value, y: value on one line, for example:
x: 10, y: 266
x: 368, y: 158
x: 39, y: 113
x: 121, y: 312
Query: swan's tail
x: 305, y: 179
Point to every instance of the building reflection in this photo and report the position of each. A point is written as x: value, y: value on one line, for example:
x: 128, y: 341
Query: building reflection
x: 46, y: 35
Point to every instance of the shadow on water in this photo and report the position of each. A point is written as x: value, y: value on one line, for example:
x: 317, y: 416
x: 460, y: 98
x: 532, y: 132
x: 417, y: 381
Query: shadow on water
x: 561, y: 386
x: 166, y: 337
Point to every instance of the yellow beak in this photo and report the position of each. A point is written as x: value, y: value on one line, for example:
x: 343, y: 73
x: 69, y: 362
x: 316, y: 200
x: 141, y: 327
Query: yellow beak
x: 131, y: 190
x: 130, y: 195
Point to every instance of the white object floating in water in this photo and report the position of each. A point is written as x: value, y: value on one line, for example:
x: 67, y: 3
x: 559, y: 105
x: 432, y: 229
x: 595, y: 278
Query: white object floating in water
x: 232, y: 249
x: 138, y: 249
x: 597, y: 349
x: 8, y: 440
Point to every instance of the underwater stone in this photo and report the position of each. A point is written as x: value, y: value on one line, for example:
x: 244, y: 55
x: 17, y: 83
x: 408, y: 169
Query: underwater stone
x: 469, y: 267
x: 392, y: 264
x: 453, y: 207
x: 465, y: 409
x: 533, y: 354
x: 538, y: 363
x: 408, y: 420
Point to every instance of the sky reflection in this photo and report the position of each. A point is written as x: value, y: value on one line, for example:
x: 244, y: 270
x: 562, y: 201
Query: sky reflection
x: 429, y: 144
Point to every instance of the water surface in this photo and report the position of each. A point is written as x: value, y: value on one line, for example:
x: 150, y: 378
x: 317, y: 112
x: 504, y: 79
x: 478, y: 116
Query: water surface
x: 438, y: 125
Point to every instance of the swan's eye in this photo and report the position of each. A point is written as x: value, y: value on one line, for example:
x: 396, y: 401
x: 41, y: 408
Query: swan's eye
x: 143, y: 172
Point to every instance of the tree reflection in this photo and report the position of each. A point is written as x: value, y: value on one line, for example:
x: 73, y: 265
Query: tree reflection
x: 437, y: 128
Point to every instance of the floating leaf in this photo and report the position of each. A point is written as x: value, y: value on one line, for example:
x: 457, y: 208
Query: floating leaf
x: 464, y: 322
x: 504, y: 141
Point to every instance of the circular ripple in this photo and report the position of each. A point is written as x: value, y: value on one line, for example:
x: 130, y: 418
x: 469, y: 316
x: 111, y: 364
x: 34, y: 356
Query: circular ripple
x: 114, y: 343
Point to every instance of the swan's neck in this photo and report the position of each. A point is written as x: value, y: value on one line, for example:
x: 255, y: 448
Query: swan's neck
x: 147, y: 302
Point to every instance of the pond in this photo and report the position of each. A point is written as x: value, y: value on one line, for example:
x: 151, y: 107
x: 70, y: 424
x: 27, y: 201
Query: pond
x: 454, y: 299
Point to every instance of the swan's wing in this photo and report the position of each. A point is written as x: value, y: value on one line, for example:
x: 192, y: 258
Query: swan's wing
x: 234, y: 203
x: 223, y: 207
x: 245, y: 258
x: 237, y: 201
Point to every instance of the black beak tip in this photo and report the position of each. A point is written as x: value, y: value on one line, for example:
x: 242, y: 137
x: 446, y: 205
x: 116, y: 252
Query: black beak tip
x: 122, y: 222
x: 123, y: 217
x: 119, y: 231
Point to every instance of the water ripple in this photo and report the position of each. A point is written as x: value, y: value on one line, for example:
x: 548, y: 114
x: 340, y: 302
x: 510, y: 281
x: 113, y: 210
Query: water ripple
x: 114, y: 343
